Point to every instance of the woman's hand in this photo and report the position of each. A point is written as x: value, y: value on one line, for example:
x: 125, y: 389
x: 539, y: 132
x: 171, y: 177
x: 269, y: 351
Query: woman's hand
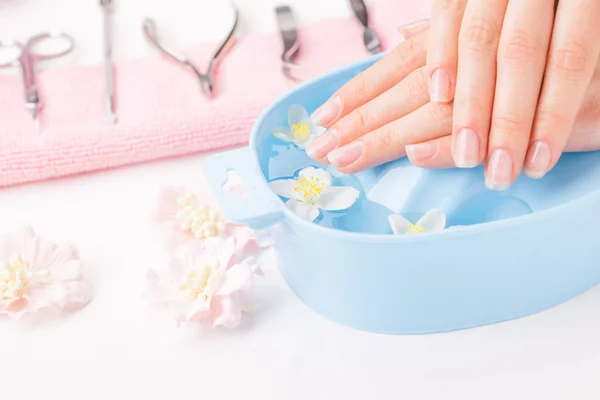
x: 374, y: 116
x: 517, y: 73
x: 584, y: 136
x: 497, y: 58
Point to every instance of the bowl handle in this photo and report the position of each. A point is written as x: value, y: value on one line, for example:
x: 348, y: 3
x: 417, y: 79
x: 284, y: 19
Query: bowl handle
x: 262, y: 208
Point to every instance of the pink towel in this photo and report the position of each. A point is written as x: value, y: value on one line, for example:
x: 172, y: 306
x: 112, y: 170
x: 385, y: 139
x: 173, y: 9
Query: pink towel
x: 161, y: 110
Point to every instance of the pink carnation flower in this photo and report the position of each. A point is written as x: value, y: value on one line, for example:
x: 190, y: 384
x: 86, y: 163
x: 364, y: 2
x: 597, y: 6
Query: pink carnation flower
x: 36, y: 274
x: 208, y: 283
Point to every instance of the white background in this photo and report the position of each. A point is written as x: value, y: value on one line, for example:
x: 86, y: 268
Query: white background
x: 117, y: 347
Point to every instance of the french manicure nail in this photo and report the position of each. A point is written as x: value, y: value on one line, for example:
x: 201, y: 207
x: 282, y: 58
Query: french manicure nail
x: 328, y: 112
x: 347, y: 154
x: 323, y: 145
x: 467, y: 149
x: 421, y: 152
x: 538, y: 160
x: 499, y: 175
x: 440, y: 86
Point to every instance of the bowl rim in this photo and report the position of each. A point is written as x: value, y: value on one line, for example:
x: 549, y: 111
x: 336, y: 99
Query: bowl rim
x: 451, y: 232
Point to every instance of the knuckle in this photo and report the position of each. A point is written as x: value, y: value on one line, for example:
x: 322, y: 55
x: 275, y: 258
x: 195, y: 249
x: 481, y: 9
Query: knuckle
x: 481, y: 34
x: 360, y: 87
x: 521, y: 47
x: 510, y: 124
x: 420, y: 85
x: 407, y: 52
x: 387, y: 139
x: 549, y: 120
x: 441, y: 113
x: 570, y: 59
x: 361, y: 119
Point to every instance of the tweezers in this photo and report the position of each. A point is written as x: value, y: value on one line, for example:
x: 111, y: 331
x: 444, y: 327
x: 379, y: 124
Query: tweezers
x: 206, y: 79
x: 370, y: 37
x: 288, y: 29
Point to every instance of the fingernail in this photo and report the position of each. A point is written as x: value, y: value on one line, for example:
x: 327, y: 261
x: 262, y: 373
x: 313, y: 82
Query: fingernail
x: 440, y: 86
x: 409, y: 30
x: 467, y: 149
x: 347, y: 154
x: 499, y: 176
x: 328, y: 112
x: 538, y: 160
x: 323, y: 145
x: 421, y: 152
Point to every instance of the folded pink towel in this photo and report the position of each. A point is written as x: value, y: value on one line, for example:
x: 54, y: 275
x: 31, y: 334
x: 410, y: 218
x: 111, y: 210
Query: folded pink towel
x: 161, y: 110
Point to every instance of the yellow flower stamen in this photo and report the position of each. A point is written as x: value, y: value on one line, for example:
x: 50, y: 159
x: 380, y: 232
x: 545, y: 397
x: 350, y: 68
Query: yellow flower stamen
x: 309, y: 189
x: 301, y: 130
x: 195, y: 283
x: 15, y: 276
x: 199, y: 219
x: 412, y: 228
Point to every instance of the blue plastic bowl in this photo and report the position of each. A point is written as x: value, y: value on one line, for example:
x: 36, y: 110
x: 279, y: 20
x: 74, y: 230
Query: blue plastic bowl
x: 514, y: 254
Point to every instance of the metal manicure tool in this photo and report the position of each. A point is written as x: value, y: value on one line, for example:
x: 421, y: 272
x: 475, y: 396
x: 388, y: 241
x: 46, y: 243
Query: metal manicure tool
x: 206, y: 79
x: 288, y: 29
x: 28, y: 55
x: 370, y: 37
x: 109, y: 69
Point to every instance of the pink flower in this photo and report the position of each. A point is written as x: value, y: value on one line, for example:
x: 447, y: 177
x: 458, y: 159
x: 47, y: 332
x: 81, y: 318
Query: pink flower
x: 36, y: 274
x: 188, y: 217
x: 206, y: 283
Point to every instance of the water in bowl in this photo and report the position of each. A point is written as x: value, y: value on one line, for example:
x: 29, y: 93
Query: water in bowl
x: 401, y: 188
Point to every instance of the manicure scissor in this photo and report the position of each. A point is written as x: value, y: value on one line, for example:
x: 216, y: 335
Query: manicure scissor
x: 206, y: 79
x: 27, y: 56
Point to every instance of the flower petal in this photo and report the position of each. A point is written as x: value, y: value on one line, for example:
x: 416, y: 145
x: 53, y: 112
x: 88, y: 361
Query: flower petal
x: 297, y: 114
x: 226, y: 249
x: 283, y: 133
x: 284, y: 187
x: 433, y: 221
x: 337, y: 198
x: 399, y: 224
x: 313, y: 173
x: 227, y: 312
x: 235, y: 278
x: 303, y: 210
x: 197, y: 309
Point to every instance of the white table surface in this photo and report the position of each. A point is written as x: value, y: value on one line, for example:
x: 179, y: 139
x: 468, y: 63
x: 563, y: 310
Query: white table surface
x: 117, y: 346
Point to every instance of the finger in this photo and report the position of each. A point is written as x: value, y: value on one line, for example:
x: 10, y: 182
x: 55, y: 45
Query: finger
x: 388, y: 143
x: 476, y: 80
x: 586, y: 133
x: 414, y: 28
x: 434, y: 154
x: 520, y: 68
x: 404, y: 98
x: 442, y: 52
x: 367, y: 85
x: 437, y: 153
x: 573, y: 55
